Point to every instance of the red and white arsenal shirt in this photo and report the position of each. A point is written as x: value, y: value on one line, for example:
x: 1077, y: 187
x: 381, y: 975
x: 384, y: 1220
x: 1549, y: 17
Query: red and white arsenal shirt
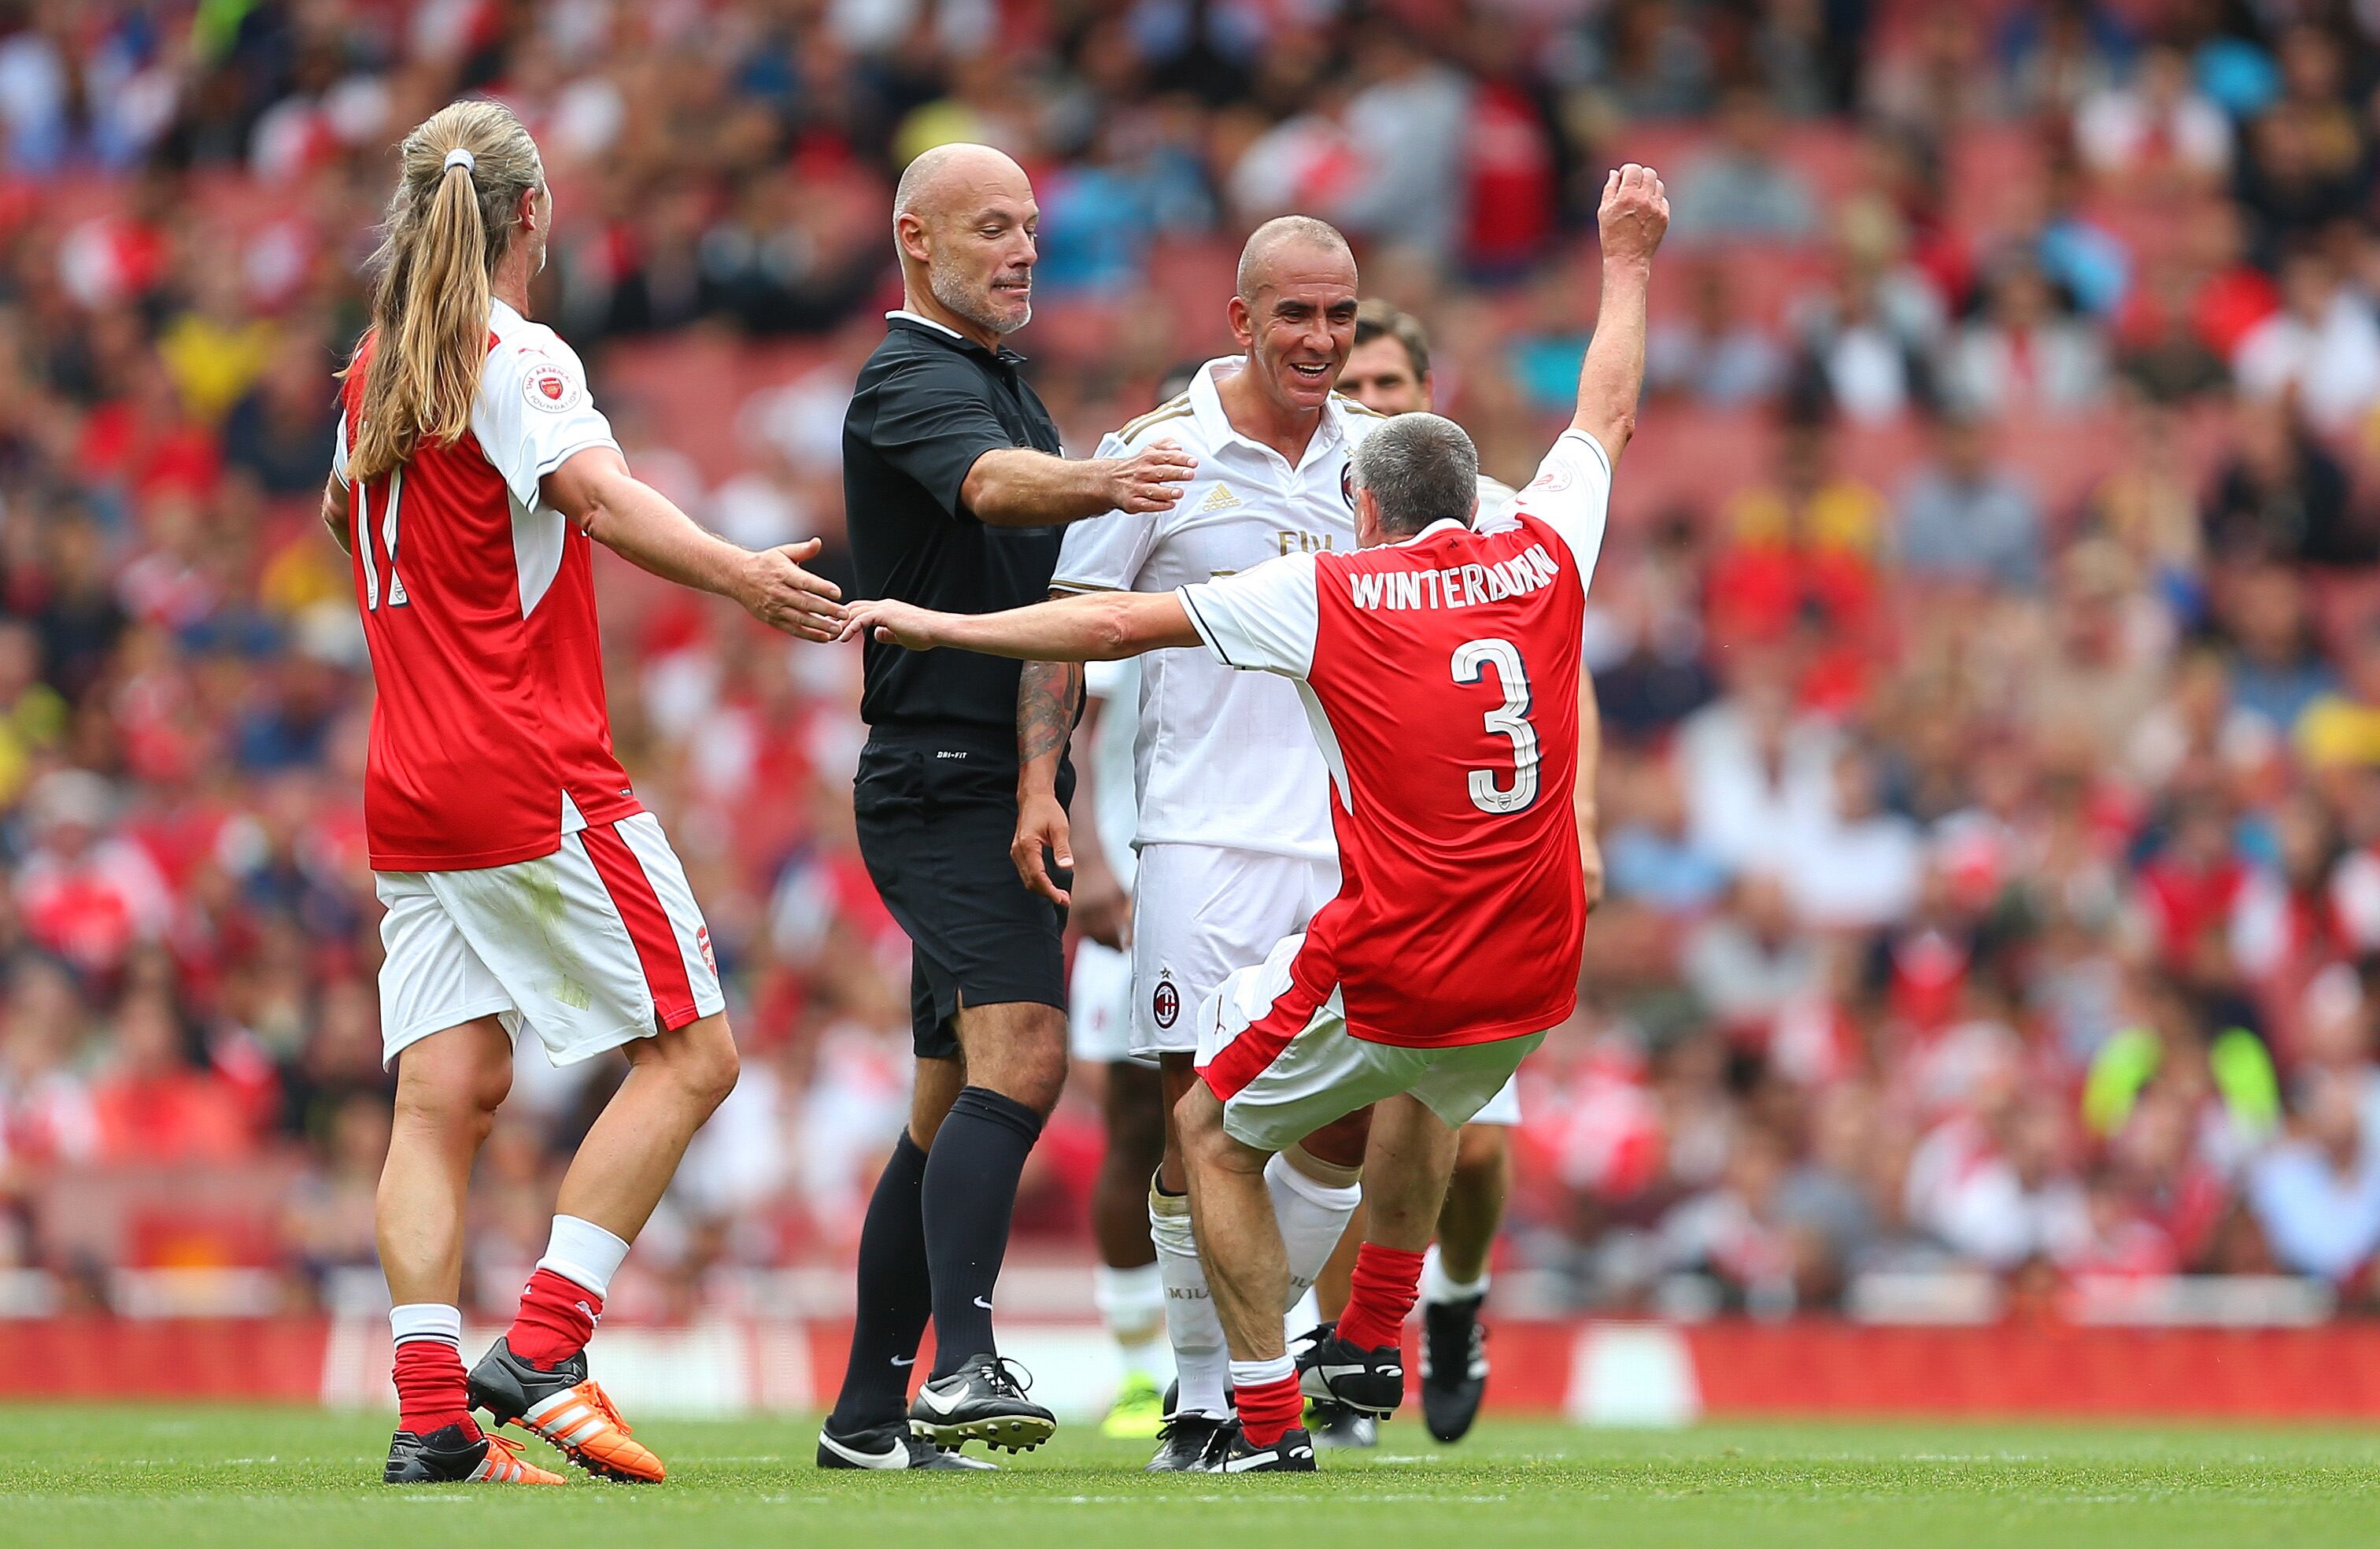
x: 490, y: 738
x: 1440, y: 676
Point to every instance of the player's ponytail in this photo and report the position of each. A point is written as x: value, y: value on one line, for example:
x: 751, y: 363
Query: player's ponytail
x: 461, y: 176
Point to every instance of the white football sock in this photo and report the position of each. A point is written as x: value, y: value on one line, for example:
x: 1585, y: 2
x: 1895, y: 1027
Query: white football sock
x: 426, y: 1320
x: 584, y: 1253
x: 1201, y: 1361
x: 1132, y: 1302
x: 1437, y: 1290
x: 1313, y: 1216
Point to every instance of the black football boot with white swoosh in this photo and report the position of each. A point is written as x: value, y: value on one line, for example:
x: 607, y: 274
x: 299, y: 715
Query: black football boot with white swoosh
x: 982, y: 1401
x: 894, y: 1445
x: 1292, y: 1453
x: 1369, y: 1382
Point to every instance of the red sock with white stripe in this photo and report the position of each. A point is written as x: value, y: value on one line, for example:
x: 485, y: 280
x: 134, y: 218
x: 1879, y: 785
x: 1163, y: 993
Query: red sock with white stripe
x: 560, y: 1305
x: 1268, y: 1397
x: 1382, y: 1292
x: 431, y: 1392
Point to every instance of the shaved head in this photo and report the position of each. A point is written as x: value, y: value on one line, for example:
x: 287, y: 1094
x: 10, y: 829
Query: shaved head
x: 964, y: 223
x: 1294, y: 314
x: 947, y: 175
x: 1270, y: 244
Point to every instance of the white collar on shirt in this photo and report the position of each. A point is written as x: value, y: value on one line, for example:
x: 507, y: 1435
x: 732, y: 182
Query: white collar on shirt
x: 1216, y: 425
x: 914, y: 317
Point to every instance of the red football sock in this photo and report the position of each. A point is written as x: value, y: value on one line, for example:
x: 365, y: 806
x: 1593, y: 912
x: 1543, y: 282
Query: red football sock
x: 1270, y: 1409
x: 1380, y: 1292
x: 430, y: 1389
x: 556, y: 1319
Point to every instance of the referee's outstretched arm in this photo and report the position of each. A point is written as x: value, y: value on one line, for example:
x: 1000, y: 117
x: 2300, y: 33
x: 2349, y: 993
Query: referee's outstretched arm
x: 1016, y: 487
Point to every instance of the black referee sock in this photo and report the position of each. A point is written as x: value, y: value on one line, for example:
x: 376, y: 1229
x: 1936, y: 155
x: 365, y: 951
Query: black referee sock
x: 970, y: 1192
x: 894, y: 1298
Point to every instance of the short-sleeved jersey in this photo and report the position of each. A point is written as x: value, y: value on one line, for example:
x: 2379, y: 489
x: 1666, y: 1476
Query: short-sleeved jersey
x: 490, y: 736
x: 1441, y: 677
x: 1222, y: 758
x: 928, y: 405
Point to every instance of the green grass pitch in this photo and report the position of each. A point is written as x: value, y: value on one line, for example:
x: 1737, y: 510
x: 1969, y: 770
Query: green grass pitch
x: 259, y: 1478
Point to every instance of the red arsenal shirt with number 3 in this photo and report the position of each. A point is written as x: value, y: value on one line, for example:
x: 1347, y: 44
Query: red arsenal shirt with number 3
x: 1440, y: 675
x: 490, y: 738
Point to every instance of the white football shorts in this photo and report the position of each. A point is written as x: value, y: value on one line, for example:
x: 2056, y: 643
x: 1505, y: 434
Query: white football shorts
x: 1200, y: 913
x: 1284, y: 1064
x: 1504, y: 1108
x: 1099, y: 1005
x: 589, y: 947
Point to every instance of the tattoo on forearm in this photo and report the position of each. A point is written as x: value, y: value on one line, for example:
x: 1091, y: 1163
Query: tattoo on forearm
x: 1048, y: 696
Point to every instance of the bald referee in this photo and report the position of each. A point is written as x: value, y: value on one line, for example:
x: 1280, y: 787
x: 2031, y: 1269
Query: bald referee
x: 956, y: 493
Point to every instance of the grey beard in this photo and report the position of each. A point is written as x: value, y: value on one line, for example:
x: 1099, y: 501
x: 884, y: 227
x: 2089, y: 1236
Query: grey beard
x: 946, y: 290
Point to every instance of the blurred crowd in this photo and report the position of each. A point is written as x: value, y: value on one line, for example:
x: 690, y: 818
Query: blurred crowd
x: 1988, y: 642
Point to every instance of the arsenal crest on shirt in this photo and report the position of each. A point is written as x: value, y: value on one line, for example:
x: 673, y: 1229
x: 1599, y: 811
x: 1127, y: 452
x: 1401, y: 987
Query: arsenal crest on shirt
x: 545, y: 386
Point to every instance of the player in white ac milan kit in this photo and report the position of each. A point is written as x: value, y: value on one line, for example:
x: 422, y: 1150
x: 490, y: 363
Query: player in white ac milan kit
x: 527, y: 887
x: 1233, y: 829
x: 1438, y: 666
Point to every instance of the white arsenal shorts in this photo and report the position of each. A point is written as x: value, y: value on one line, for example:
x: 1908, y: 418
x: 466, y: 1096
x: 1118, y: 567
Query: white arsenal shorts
x: 1198, y: 914
x: 589, y: 947
x: 1284, y: 1065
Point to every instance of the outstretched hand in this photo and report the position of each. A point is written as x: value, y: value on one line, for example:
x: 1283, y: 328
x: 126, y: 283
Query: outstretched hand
x: 1152, y: 479
x: 890, y: 623
x: 1634, y: 214
x: 776, y: 591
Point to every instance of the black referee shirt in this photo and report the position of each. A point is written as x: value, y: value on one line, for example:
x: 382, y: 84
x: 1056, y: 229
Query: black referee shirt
x: 928, y: 405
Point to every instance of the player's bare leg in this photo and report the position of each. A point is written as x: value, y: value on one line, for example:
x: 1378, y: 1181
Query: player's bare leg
x: 448, y: 1088
x: 1362, y: 1363
x: 1474, y: 1211
x: 1313, y: 1189
x: 1016, y: 1054
x: 1247, y: 1273
x: 536, y: 1375
x: 1239, y: 1240
x: 1454, y: 1281
x: 677, y: 1080
x: 1130, y: 1288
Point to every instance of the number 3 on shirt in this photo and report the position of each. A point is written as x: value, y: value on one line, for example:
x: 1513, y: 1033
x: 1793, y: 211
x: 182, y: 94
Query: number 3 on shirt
x: 1510, y: 719
x: 372, y: 588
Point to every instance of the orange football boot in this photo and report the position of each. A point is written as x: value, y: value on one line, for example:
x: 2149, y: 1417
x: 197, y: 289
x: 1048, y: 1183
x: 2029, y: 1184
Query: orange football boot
x: 568, y: 1408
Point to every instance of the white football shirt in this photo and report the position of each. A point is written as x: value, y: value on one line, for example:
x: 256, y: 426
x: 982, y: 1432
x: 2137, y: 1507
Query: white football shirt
x: 1224, y: 757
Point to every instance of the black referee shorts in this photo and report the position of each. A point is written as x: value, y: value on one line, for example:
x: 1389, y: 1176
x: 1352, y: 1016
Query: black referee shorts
x: 935, y: 816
